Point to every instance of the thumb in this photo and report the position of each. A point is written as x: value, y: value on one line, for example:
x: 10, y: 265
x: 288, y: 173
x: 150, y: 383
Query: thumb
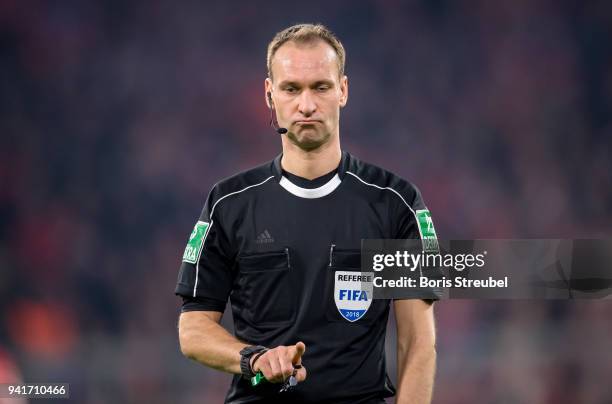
x: 300, y: 348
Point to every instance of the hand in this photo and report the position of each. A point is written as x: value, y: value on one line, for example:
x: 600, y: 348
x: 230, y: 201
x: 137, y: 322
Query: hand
x: 277, y: 363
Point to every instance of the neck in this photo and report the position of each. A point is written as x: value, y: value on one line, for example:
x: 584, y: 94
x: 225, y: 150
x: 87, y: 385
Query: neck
x: 311, y: 164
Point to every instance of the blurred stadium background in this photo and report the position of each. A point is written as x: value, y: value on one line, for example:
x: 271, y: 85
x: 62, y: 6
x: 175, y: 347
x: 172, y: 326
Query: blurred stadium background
x: 117, y: 118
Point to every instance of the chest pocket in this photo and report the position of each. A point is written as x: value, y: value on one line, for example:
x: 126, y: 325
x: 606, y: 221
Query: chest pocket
x: 348, y: 291
x: 265, y: 284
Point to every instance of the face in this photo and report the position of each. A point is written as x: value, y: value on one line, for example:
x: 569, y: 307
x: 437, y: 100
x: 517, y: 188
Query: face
x: 307, y: 92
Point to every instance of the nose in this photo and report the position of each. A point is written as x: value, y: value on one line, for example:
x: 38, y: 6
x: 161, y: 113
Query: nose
x: 306, y: 104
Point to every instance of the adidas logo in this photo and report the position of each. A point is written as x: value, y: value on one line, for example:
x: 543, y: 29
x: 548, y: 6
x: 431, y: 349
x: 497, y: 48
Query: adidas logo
x: 264, y: 238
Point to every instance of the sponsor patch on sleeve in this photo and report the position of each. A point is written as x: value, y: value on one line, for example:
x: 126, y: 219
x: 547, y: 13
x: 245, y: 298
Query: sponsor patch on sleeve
x: 195, y: 243
x: 427, y: 230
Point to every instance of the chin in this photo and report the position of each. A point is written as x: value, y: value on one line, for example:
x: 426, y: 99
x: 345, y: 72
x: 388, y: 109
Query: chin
x: 308, y: 141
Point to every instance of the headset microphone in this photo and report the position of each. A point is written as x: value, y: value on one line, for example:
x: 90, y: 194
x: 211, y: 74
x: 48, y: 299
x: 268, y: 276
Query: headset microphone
x: 273, y: 121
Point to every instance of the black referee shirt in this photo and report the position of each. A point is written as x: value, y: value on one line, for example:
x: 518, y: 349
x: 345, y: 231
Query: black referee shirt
x: 274, y: 246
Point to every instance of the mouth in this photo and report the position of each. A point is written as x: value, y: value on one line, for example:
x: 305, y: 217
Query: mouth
x: 307, y: 122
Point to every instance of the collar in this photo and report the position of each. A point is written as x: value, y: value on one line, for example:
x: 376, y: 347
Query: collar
x: 311, y: 193
x: 345, y: 160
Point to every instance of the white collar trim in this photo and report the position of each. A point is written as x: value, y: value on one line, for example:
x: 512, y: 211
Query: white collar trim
x: 309, y: 193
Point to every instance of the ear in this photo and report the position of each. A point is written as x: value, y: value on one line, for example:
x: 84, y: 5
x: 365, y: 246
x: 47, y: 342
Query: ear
x: 268, y: 92
x: 344, y: 91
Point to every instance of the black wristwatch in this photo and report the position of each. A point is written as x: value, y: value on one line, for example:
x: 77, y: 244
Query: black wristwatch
x: 245, y: 359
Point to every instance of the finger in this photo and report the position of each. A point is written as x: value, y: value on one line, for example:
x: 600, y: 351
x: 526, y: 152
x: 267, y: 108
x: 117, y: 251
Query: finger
x: 263, y: 366
x: 298, y: 351
x: 301, y: 374
x: 286, y: 367
x: 275, y: 369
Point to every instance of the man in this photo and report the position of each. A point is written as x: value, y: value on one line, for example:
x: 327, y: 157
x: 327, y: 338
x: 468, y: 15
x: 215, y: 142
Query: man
x: 279, y: 239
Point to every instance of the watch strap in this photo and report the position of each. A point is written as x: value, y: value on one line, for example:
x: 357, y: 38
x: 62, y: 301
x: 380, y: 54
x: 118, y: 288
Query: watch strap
x: 245, y: 359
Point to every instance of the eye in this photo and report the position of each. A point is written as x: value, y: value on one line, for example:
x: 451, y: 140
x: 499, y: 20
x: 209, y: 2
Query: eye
x: 290, y: 90
x: 323, y: 87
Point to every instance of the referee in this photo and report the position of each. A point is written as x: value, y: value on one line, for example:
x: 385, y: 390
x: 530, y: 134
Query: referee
x: 282, y: 242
